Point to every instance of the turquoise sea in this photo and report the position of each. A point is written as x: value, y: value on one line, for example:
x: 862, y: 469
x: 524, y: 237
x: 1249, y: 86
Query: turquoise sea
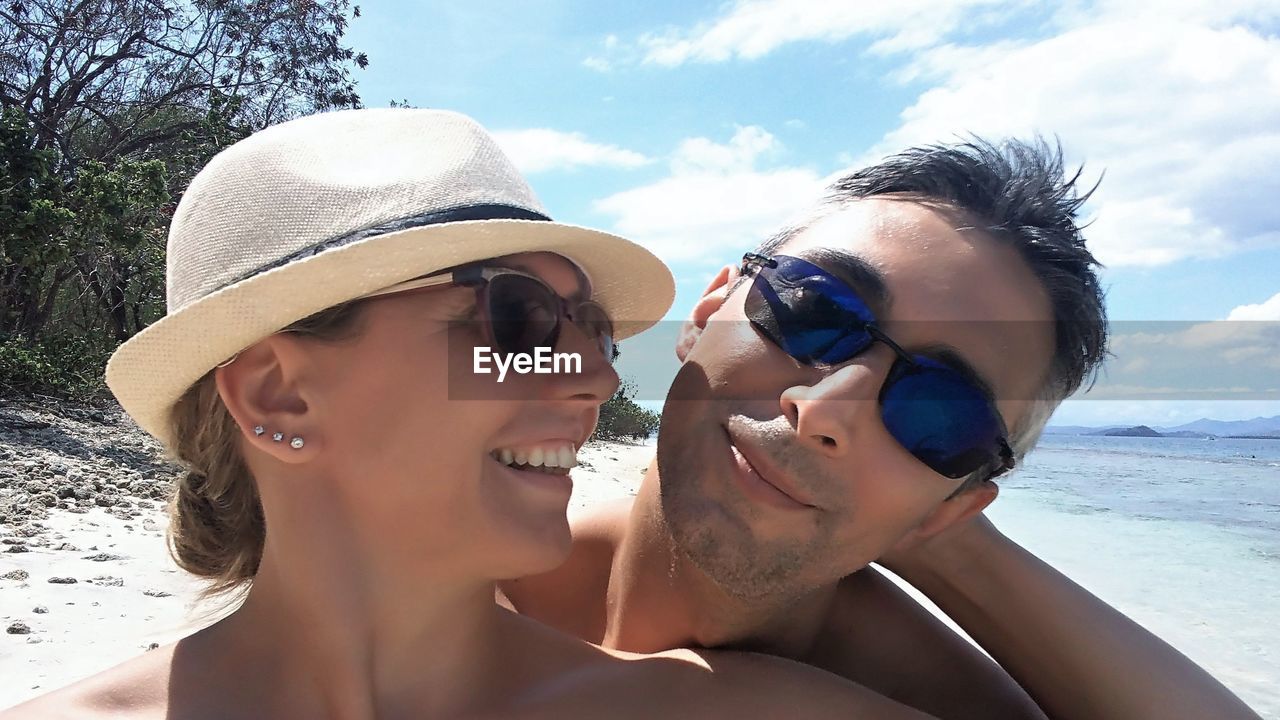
x: 1182, y: 535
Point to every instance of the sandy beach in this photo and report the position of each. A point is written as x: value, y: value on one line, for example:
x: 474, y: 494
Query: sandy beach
x: 85, y: 578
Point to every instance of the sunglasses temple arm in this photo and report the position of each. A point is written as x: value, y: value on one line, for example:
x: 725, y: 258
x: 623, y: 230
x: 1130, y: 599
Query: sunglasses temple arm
x: 415, y: 284
x: 750, y: 259
x: 1006, y: 454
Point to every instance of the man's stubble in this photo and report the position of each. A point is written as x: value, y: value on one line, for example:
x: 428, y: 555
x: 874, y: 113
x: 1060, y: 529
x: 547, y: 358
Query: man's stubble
x: 711, y: 527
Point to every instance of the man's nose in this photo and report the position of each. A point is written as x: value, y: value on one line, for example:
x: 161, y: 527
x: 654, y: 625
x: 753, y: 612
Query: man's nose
x: 828, y: 414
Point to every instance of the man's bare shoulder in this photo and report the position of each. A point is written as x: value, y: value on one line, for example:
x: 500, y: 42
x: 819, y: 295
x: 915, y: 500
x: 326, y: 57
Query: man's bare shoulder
x: 136, y: 689
x: 703, y: 683
x: 571, y: 598
x: 603, y: 523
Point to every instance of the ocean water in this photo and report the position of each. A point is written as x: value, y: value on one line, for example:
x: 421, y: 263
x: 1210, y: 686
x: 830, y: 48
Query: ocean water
x: 1182, y: 535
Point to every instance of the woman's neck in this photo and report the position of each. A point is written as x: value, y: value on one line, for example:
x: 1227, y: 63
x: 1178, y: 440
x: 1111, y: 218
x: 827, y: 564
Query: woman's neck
x: 328, y: 634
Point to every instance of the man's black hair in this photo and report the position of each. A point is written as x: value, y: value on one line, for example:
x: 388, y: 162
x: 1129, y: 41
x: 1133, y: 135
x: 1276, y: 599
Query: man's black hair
x: 1019, y: 193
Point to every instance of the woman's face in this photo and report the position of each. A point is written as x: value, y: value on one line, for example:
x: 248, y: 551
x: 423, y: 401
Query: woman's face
x: 413, y: 437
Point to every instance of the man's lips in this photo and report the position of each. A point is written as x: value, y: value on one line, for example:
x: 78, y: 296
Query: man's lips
x: 763, y: 478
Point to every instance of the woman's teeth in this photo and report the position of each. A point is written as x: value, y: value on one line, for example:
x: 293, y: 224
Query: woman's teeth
x: 560, y: 456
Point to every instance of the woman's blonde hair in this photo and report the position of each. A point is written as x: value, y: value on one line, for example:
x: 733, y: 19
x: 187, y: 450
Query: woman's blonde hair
x: 216, y: 524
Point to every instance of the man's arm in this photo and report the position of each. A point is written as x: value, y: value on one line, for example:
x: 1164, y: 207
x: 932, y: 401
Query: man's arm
x: 1077, y: 656
x: 879, y: 636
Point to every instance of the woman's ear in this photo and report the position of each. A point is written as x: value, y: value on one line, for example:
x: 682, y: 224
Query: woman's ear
x: 712, y: 298
x: 262, y: 390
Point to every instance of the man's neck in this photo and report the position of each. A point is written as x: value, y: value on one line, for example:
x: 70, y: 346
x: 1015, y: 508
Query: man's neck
x: 658, y: 599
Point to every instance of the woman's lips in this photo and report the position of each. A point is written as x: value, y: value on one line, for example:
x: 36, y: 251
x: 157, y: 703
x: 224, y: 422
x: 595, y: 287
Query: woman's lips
x: 559, y: 481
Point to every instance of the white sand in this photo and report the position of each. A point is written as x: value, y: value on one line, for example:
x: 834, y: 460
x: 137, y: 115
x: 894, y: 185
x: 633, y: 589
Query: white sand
x: 91, y: 626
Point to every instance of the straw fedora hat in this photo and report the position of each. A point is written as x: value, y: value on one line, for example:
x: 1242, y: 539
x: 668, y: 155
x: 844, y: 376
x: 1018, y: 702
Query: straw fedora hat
x: 317, y: 211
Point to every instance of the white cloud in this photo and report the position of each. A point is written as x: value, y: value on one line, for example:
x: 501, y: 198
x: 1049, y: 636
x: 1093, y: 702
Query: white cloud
x: 1128, y: 339
x: 1177, y: 101
x: 1218, y: 12
x: 1166, y: 413
x: 1269, y: 310
x: 1120, y: 391
x: 750, y: 29
x: 540, y: 149
x: 1183, y: 116
x: 612, y: 52
x: 1137, y: 365
x: 700, y: 155
x: 1220, y: 359
x: 716, y: 201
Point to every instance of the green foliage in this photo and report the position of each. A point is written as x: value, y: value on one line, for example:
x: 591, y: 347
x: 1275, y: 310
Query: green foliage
x: 622, y: 418
x: 65, y: 367
x: 116, y: 205
x: 108, y: 108
x: 34, y: 218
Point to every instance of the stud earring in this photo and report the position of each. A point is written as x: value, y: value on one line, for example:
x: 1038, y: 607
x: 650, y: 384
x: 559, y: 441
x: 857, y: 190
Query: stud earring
x: 296, y: 443
x: 277, y: 437
x: 258, y: 430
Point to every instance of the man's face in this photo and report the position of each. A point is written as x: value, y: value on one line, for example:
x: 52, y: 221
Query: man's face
x: 777, y: 477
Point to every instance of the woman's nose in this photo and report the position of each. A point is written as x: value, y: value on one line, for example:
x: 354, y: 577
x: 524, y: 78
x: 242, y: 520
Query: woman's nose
x: 592, y: 378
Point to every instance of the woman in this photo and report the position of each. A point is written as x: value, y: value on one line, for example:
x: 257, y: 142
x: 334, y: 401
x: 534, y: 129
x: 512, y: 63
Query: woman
x: 330, y: 282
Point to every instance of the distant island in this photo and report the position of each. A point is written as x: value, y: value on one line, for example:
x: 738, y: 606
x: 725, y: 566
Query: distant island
x: 1135, y: 431
x: 1144, y: 431
x: 1261, y: 428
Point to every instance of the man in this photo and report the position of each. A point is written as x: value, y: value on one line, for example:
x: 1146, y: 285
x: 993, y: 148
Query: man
x: 846, y: 396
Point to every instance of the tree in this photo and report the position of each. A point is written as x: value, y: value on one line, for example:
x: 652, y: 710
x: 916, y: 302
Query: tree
x: 32, y: 213
x: 621, y: 417
x: 109, y: 109
x: 102, y: 79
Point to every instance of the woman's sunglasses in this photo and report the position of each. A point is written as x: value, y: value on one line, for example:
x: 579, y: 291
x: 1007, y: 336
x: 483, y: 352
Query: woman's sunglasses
x: 519, y: 311
x: 937, y: 413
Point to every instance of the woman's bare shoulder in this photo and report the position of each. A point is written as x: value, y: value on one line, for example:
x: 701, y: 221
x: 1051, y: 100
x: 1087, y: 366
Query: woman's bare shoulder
x: 135, y: 689
x: 741, y: 684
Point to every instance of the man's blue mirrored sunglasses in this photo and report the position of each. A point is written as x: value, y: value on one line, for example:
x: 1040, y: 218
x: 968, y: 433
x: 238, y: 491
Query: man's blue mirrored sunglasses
x: 934, y: 411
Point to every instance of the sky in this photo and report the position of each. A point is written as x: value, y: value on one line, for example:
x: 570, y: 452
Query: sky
x: 697, y: 129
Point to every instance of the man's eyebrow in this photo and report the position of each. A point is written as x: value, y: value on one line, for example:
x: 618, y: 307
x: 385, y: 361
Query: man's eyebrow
x: 859, y: 274
x: 950, y: 356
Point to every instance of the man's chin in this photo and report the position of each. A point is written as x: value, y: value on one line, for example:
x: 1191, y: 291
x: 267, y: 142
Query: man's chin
x: 740, y: 568
x: 724, y: 547
x: 708, y: 529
